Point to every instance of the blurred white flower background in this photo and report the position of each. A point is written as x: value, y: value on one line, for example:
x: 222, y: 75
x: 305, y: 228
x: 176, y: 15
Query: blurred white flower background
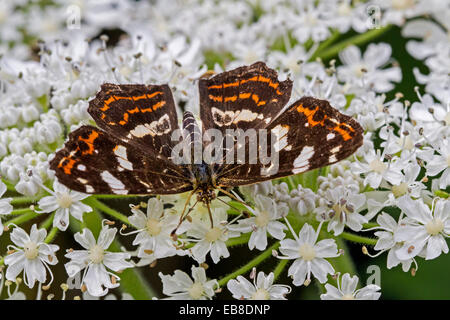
x: 310, y: 236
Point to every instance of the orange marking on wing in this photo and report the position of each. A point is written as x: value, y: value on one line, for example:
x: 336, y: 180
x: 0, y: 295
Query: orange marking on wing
x: 348, y: 126
x: 116, y: 147
x: 115, y: 98
x: 233, y: 98
x: 244, y: 95
x: 135, y: 110
x: 159, y: 105
x: 231, y: 84
x: 255, y: 98
x: 345, y: 135
x: 154, y: 107
x: 216, y: 98
x: 149, y: 96
x: 90, y: 142
x: 125, y: 119
x: 269, y: 82
x: 216, y: 86
x: 68, y: 166
x: 103, y: 116
x: 249, y: 79
x: 261, y: 103
x: 309, y: 114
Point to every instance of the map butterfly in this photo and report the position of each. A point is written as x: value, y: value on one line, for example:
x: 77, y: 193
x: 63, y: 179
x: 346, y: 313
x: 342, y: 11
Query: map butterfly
x: 129, y: 152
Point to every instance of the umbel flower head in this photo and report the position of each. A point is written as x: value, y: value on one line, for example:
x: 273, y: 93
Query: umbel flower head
x: 31, y: 255
x: 262, y: 287
x: 346, y: 290
x: 95, y: 260
x: 182, y: 287
x: 309, y: 255
x: 64, y: 202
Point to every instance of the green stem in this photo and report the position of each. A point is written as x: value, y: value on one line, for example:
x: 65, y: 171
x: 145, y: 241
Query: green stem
x: 22, y: 200
x: 9, y: 186
x: 252, y: 263
x: 22, y: 218
x: 47, y: 222
x: 117, y: 196
x: 51, y: 235
x: 20, y: 211
x: 280, y: 267
x: 355, y: 40
x: 441, y: 194
x: 359, y: 239
x: 93, y: 202
x: 325, y: 44
x: 243, y: 239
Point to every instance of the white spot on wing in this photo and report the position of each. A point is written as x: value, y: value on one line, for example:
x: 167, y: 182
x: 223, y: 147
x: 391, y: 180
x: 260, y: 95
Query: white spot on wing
x: 157, y: 127
x: 332, y: 158
x: 81, y: 180
x: 336, y: 149
x: 330, y: 136
x: 281, y: 137
x: 81, y: 167
x: 115, y: 184
x: 121, y: 153
x: 301, y: 163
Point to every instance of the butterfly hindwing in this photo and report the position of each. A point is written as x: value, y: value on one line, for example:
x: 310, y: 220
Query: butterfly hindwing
x: 93, y: 161
x: 310, y: 134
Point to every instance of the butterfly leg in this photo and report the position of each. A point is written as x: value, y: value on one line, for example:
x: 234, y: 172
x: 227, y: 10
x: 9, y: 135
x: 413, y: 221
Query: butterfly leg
x: 232, y: 196
x: 210, y: 214
x: 183, y: 216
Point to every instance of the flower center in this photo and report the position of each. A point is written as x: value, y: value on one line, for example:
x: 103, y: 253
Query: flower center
x: 96, y: 254
x: 344, y: 9
x: 435, y: 226
x: 402, y: 4
x: 400, y: 190
x: 348, y: 296
x: 213, y: 234
x: 31, y: 250
x: 378, y: 166
x: 260, y: 294
x: 64, y: 200
x: 153, y: 227
x: 360, y: 70
x: 196, y: 291
x: 262, y: 219
x: 307, y: 252
x: 406, y: 143
x: 447, y: 118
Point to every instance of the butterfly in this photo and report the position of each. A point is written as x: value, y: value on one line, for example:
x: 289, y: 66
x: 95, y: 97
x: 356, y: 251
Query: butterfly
x: 130, y: 151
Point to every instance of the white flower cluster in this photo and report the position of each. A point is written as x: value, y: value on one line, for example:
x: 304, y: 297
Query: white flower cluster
x: 55, y: 55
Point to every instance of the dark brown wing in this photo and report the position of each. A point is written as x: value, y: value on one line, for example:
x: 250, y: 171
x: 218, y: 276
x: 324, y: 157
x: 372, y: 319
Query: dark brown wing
x: 93, y: 161
x: 141, y: 115
x: 246, y: 97
x: 310, y: 134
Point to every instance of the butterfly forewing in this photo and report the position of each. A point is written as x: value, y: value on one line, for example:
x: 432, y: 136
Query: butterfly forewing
x: 246, y: 97
x: 142, y: 115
